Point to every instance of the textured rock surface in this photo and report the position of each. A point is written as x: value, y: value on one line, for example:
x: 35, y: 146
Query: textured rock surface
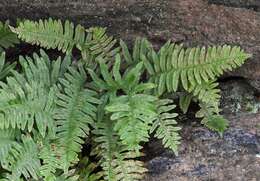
x: 192, y: 22
x: 204, y: 155
x: 250, y: 4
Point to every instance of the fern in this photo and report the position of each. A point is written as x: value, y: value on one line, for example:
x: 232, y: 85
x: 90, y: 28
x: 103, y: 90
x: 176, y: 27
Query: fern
x: 24, y: 160
x: 115, y: 156
x: 75, y: 113
x: 7, y: 143
x: 141, y: 47
x: 174, y: 64
x: 51, y: 34
x: 165, y: 125
x: 5, y: 68
x: 50, y: 154
x: 133, y: 112
x: 7, y: 37
x: 51, y: 109
x: 134, y: 116
x: 26, y: 100
x: 93, y: 43
x: 87, y: 169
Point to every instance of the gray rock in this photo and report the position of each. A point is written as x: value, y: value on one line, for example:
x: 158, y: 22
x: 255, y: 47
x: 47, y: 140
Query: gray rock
x: 250, y: 4
x: 206, y: 156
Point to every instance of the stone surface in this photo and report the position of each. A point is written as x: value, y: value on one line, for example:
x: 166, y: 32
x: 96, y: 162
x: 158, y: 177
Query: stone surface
x: 204, y: 155
x: 250, y: 4
x: 192, y: 22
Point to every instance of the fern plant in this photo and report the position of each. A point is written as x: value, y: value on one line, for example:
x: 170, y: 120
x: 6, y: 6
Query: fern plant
x: 110, y: 101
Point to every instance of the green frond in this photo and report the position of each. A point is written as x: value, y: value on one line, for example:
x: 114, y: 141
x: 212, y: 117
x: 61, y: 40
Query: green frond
x: 86, y: 170
x: 216, y: 123
x: 211, y: 118
x: 98, y: 46
x: 23, y: 105
x: 93, y: 43
x: 41, y: 69
x: 7, y: 37
x: 133, y: 116
x: 24, y: 161
x: 165, y: 127
x: 5, y: 67
x: 69, y: 176
x: 184, y: 102
x: 112, y: 81
x: 50, y: 153
x: 28, y: 98
x: 141, y: 47
x: 75, y: 113
x: 7, y: 143
x: 207, y: 92
x: 208, y: 95
x: 106, y: 145
x: 51, y: 34
x: 173, y: 65
x: 132, y: 169
x: 118, y: 163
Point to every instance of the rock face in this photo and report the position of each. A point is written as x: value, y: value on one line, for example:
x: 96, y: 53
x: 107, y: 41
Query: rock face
x: 204, y: 155
x: 192, y: 22
x: 250, y: 4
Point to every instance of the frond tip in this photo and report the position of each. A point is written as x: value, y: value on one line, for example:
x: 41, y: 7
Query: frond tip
x: 165, y: 125
x: 51, y: 34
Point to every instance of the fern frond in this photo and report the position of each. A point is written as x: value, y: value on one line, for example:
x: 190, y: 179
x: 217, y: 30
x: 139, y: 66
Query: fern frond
x: 7, y: 143
x: 98, y: 45
x: 174, y: 64
x: 41, y: 69
x: 22, y: 105
x: 211, y: 118
x: 5, y: 68
x: 93, y: 43
x: 133, y: 115
x: 7, y: 37
x: 118, y: 163
x: 208, y: 96
x: 28, y: 98
x: 76, y: 112
x: 184, y: 101
x: 133, y: 169
x: 50, y: 153
x: 112, y: 81
x: 207, y: 92
x: 69, y: 176
x: 165, y: 125
x: 24, y: 161
x: 86, y: 170
x: 51, y: 34
x: 106, y: 146
x: 141, y: 47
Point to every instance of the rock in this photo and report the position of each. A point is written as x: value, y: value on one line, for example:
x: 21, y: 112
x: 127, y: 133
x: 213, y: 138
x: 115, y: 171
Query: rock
x: 204, y: 155
x: 238, y: 96
x: 250, y: 4
x: 192, y: 22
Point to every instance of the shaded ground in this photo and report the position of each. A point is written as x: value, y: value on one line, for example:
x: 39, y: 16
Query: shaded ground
x: 204, y: 155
